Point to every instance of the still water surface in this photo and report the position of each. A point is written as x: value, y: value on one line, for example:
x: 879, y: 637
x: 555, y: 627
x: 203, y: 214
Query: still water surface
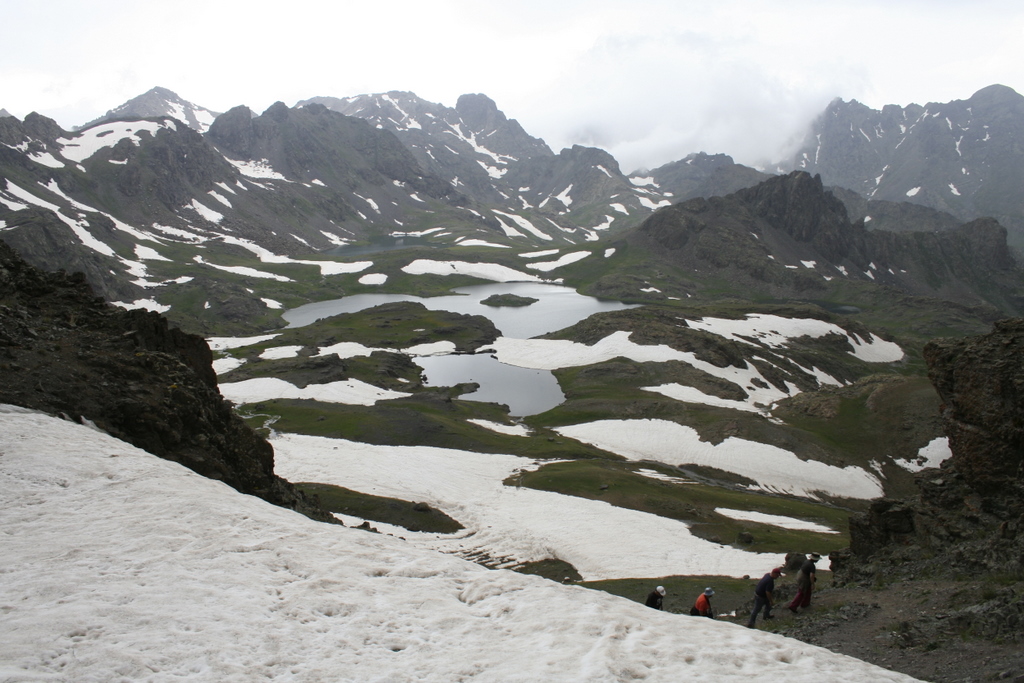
x: 524, y: 391
x: 558, y: 307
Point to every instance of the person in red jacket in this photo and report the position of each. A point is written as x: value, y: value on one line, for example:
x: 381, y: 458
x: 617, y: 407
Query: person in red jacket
x: 702, y: 608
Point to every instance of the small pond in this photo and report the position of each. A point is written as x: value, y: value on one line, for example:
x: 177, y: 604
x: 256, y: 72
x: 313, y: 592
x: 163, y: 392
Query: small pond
x: 524, y: 391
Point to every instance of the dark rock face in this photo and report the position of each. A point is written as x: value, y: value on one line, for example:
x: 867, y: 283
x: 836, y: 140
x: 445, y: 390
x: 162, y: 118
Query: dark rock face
x: 758, y: 235
x: 981, y: 382
x: 346, y: 151
x: 802, y: 208
x: 66, y: 352
x: 969, y: 515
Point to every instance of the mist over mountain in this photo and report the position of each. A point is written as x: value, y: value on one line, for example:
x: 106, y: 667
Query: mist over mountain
x: 960, y: 157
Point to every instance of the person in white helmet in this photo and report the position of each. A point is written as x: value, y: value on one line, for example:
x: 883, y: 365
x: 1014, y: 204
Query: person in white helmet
x: 655, y: 598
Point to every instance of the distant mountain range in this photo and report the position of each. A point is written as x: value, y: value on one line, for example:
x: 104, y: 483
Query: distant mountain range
x: 962, y: 157
x: 163, y: 185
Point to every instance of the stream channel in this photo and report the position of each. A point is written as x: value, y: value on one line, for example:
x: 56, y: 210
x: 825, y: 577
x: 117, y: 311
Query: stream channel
x: 524, y: 391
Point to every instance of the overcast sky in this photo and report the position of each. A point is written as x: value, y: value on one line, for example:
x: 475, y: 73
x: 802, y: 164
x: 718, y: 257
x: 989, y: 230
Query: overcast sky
x: 648, y: 80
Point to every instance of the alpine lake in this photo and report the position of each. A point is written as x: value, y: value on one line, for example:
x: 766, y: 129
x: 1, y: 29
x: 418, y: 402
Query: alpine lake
x: 524, y: 391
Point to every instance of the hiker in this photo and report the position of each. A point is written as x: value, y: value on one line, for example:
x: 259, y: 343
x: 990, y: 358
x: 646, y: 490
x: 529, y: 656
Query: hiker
x: 763, y: 596
x: 805, y: 581
x: 656, y: 597
x: 702, y: 608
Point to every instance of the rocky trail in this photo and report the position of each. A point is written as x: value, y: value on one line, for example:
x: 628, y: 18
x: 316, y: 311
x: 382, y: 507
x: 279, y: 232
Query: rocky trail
x: 916, y: 627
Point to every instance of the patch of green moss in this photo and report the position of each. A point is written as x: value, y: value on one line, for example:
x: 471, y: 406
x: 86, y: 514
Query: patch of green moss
x: 403, y: 513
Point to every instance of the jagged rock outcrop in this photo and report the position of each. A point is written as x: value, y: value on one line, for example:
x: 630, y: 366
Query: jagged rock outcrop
x: 66, y: 352
x: 968, y: 520
x: 981, y: 382
x: 969, y: 515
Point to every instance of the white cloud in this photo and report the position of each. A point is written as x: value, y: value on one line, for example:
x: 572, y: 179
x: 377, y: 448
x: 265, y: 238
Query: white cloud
x: 650, y: 82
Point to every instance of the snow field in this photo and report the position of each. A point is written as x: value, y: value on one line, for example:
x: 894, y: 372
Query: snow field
x: 155, y: 573
x: 773, y: 468
x: 484, y: 271
x: 523, y: 525
x: 88, y: 142
x: 776, y: 331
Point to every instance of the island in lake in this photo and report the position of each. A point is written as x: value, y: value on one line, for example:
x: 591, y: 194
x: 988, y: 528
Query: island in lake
x: 508, y: 300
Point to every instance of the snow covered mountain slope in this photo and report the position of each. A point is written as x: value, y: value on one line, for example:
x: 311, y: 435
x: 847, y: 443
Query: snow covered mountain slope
x: 577, y: 194
x: 289, y: 182
x: 121, y: 565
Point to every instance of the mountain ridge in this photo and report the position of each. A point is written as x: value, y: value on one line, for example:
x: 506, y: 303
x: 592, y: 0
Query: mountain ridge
x: 959, y: 157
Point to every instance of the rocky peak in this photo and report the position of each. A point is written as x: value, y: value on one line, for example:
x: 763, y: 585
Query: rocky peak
x: 157, y: 102
x: 479, y: 112
x: 590, y: 156
x: 996, y: 95
x: 278, y: 112
x: 39, y: 127
x: 799, y: 205
x: 234, y: 131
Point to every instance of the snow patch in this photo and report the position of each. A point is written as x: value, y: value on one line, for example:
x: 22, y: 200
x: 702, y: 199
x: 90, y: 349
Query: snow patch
x: 512, y: 430
x: 259, y: 168
x: 146, y: 304
x: 931, y: 455
x: 373, y: 279
x: 775, y: 520
x: 484, y: 271
x: 279, y: 352
x: 349, y: 392
x: 566, y: 259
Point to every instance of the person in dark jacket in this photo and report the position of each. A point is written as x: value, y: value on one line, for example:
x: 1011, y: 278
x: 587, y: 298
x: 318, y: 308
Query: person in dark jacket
x: 702, y: 608
x: 655, y: 598
x: 763, y: 596
x: 805, y: 581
